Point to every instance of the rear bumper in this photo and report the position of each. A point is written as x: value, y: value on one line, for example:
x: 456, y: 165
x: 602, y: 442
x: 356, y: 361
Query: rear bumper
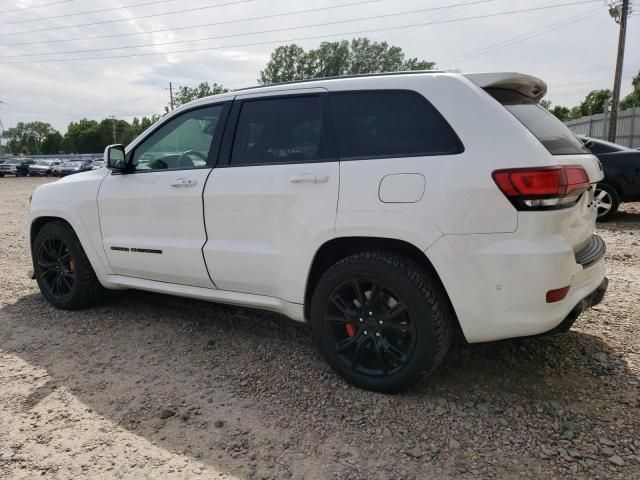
x: 591, y: 300
x: 497, y: 283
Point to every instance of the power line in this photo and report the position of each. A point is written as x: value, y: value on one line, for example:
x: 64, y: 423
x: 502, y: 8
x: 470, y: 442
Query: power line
x: 63, y: 27
x: 190, y: 27
x: 156, y: 2
x: 35, y: 6
x: 519, y: 38
x: 218, y: 37
x: 312, y: 37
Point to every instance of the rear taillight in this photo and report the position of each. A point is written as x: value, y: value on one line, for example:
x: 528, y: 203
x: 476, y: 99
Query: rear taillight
x: 543, y: 188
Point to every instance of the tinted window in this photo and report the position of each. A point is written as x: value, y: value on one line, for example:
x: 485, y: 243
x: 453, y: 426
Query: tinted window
x: 390, y: 124
x: 279, y: 130
x: 552, y: 133
x: 181, y: 143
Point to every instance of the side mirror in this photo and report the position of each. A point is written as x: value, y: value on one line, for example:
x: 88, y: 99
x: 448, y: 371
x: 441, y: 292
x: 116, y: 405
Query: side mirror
x: 114, y: 157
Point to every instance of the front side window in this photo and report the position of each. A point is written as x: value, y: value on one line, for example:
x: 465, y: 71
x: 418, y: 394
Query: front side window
x: 279, y: 130
x: 181, y: 143
x: 388, y: 123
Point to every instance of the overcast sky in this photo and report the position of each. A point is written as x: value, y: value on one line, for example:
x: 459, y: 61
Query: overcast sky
x: 572, y: 47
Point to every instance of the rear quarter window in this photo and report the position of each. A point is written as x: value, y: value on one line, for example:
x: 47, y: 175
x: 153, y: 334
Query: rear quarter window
x: 389, y: 123
x: 551, y: 132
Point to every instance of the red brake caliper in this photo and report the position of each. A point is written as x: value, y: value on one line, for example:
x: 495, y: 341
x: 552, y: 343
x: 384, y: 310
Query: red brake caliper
x: 351, y: 329
x: 72, y: 265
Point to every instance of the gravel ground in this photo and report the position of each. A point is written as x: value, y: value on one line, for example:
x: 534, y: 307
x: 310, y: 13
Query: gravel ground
x: 150, y: 386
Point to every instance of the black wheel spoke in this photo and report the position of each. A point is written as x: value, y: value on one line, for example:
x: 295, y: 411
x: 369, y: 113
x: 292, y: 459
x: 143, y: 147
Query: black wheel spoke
x: 398, y: 309
x: 338, y: 320
x: 380, y: 356
x: 342, y: 305
x: 358, y: 352
x: 359, y: 295
x: 345, y: 344
x: 371, y: 326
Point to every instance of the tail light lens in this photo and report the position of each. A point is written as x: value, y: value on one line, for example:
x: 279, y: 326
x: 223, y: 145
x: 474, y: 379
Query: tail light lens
x: 543, y: 188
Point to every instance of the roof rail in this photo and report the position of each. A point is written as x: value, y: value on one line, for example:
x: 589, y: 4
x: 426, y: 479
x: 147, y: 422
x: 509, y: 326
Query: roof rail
x: 340, y: 77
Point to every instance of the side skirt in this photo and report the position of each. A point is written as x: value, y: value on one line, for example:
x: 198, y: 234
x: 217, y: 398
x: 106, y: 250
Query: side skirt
x: 294, y: 311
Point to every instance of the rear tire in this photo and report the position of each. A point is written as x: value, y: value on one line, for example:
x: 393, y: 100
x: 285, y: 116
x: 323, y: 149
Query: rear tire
x: 380, y: 321
x: 606, y: 200
x: 62, y: 269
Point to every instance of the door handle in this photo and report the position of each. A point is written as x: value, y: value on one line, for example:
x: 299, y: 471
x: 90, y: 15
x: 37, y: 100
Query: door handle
x: 183, y: 183
x: 309, y: 178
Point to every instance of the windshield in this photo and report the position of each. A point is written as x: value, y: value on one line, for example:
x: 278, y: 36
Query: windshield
x: 44, y: 163
x: 552, y: 133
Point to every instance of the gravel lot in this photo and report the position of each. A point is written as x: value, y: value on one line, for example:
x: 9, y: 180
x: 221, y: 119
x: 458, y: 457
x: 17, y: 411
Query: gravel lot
x: 150, y: 386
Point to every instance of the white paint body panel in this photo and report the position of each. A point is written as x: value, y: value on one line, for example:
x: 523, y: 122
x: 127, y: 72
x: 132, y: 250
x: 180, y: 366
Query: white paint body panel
x: 144, y: 211
x: 258, y: 231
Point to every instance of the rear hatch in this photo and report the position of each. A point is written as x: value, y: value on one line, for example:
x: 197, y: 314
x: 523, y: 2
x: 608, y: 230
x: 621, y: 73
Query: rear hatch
x: 521, y: 94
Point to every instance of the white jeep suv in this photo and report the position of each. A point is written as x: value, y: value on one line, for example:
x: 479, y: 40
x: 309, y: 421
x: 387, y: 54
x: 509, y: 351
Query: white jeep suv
x: 388, y: 211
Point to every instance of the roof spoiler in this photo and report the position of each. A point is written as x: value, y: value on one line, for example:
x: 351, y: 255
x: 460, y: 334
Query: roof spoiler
x: 527, y: 85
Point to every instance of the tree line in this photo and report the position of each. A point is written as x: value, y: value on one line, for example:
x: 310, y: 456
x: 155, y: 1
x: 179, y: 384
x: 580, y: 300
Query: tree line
x: 287, y: 63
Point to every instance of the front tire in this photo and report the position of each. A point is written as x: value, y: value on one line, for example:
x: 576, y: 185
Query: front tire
x: 606, y: 200
x: 62, y: 269
x: 380, y: 321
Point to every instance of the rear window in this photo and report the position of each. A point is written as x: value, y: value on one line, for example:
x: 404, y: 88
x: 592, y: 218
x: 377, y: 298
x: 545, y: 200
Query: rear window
x: 389, y: 123
x: 551, y: 132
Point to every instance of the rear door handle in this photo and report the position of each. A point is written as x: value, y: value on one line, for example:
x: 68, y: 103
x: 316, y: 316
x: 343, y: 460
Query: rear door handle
x: 309, y: 178
x: 184, y: 183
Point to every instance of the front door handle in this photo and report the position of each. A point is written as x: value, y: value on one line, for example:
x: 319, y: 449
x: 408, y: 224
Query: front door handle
x: 309, y: 178
x: 184, y: 183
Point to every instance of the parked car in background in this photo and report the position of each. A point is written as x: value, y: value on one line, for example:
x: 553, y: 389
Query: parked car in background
x: 42, y: 168
x: 621, y: 181
x: 97, y: 164
x: 73, y: 166
x: 18, y: 167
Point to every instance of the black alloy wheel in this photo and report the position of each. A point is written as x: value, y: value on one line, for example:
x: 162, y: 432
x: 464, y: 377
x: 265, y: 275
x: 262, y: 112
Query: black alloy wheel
x: 371, y: 327
x: 56, y: 267
x: 381, y: 321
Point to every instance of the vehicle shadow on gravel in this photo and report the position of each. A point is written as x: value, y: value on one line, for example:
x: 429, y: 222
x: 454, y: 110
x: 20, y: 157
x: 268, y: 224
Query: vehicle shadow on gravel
x: 282, y: 409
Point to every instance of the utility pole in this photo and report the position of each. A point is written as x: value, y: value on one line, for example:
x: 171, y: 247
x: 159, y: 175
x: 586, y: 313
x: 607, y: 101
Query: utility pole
x: 171, y: 95
x: 113, y: 128
x: 620, y: 12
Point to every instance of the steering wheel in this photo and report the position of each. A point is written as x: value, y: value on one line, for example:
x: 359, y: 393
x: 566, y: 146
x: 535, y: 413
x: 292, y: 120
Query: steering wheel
x: 184, y: 159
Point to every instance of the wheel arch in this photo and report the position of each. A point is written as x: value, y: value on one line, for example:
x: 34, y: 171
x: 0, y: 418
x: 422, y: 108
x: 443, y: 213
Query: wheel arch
x: 39, y: 222
x: 341, y: 247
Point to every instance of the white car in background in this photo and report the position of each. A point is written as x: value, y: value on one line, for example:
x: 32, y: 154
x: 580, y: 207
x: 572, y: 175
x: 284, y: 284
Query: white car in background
x: 386, y: 210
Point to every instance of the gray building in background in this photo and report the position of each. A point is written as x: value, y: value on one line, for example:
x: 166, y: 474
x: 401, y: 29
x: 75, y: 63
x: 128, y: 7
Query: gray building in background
x: 627, y: 131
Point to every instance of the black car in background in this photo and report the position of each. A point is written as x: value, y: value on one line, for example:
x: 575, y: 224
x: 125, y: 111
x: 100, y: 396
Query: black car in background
x: 621, y: 181
x: 16, y: 166
x: 73, y: 166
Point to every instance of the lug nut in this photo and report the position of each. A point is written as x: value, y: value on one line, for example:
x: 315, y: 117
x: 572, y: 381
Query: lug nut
x: 361, y: 320
x: 370, y: 314
x: 377, y: 334
x: 365, y: 332
x: 380, y: 322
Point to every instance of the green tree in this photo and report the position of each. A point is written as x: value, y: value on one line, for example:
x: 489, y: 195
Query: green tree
x: 633, y: 99
x: 27, y: 137
x: 186, y: 94
x: 332, y: 59
x: 561, y: 112
x: 139, y: 125
x: 593, y: 102
x: 83, y: 137
x: 52, y: 143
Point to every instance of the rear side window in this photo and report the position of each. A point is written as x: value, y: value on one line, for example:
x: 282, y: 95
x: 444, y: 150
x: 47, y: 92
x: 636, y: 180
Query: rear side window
x: 388, y: 123
x: 550, y: 131
x: 280, y: 130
